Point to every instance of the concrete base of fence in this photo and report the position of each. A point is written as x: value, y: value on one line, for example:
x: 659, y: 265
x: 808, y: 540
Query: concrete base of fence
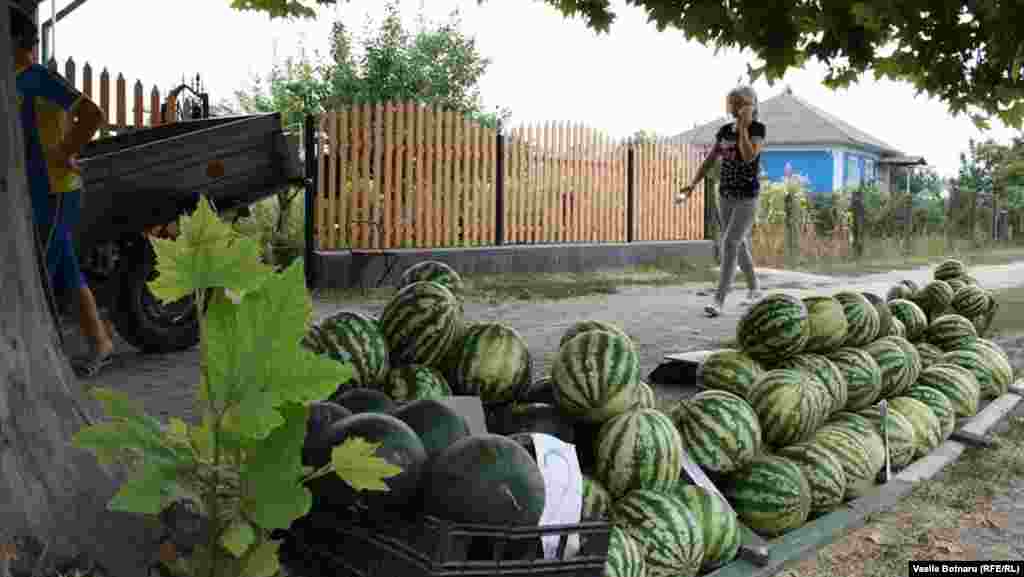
x: 355, y: 268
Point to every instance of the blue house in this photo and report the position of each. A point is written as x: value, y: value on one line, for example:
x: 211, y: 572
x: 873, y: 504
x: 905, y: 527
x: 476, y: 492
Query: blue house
x: 830, y: 153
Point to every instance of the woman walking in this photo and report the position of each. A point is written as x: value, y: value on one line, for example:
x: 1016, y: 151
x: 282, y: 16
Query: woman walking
x: 738, y: 144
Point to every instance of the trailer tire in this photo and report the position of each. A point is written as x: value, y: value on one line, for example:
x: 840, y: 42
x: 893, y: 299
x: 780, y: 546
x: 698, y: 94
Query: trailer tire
x: 139, y: 317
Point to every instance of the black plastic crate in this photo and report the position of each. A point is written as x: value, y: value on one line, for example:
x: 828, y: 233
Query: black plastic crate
x: 365, y: 545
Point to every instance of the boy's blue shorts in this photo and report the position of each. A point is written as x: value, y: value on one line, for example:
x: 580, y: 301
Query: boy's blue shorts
x: 61, y: 257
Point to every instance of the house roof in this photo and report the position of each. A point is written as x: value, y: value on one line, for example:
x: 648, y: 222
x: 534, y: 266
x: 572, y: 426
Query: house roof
x: 794, y: 121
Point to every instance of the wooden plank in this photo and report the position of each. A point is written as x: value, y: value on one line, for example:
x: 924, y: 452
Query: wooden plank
x: 388, y: 178
x: 338, y: 135
x: 401, y: 208
x: 529, y: 192
x: 377, y: 186
x: 490, y: 185
x: 450, y: 139
x: 365, y: 182
x: 353, y: 185
x: 560, y: 150
x: 320, y: 203
x: 420, y: 223
x: 408, y: 181
x: 430, y: 156
x: 473, y: 192
x: 465, y: 181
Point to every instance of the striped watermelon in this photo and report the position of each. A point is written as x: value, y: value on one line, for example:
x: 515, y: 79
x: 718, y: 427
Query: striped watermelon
x: 591, y: 325
x: 862, y: 374
x: 958, y: 384
x: 884, y: 315
x: 968, y: 279
x: 770, y: 495
x: 929, y: 353
x: 934, y: 298
x: 913, y: 366
x: 597, y: 501
x: 644, y: 397
x: 730, y: 370
x: 774, y: 328
x: 720, y: 431
x: 414, y: 382
x: 420, y: 323
x: 999, y: 362
x: 862, y: 456
x: 719, y: 523
x: 666, y: 528
x: 827, y: 324
x: 915, y: 322
x: 956, y: 284
x: 864, y: 428
x: 927, y: 429
x: 893, y: 363
x: 902, y: 442
x: 625, y: 556
x: 861, y: 317
x: 639, y: 449
x: 595, y: 374
x: 354, y: 338
x: 494, y: 363
x: 909, y: 283
x: 824, y: 473
x: 979, y: 366
x: 433, y: 271
x: 896, y: 329
x: 950, y: 268
x: 790, y: 405
x: 899, y: 291
x: 827, y: 371
x: 939, y: 405
x: 971, y: 301
x: 950, y: 332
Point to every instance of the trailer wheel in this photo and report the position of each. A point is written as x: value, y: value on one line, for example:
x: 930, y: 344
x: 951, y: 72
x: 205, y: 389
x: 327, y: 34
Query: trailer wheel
x: 139, y: 317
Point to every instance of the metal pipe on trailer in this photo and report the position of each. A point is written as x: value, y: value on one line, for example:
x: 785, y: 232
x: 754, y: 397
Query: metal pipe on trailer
x: 312, y: 159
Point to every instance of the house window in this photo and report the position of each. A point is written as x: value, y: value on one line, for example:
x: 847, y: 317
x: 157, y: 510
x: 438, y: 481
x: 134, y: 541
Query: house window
x: 852, y: 171
x: 870, y: 175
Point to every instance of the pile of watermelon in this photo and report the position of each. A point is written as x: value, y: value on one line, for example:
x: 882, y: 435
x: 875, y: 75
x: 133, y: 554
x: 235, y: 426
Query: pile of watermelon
x: 810, y: 373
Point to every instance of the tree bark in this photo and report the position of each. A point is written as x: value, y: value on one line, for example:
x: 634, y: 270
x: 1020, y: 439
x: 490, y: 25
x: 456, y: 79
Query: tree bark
x: 50, y: 492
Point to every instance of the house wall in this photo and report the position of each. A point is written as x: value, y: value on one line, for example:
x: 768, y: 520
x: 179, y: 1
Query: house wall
x: 814, y: 163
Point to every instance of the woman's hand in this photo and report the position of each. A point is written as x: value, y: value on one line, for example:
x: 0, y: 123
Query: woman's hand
x: 684, y: 194
x: 746, y: 116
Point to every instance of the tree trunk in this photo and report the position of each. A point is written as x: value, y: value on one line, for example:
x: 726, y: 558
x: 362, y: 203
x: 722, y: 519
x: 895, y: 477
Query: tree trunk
x: 51, y: 494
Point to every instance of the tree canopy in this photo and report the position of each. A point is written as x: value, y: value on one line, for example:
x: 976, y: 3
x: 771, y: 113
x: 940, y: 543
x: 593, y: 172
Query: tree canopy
x: 968, y: 53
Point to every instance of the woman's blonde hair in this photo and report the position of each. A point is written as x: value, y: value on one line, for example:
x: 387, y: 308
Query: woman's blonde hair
x: 747, y: 92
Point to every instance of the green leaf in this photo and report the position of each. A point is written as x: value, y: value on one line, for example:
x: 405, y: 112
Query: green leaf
x: 207, y: 254
x: 272, y: 471
x: 263, y: 560
x: 146, y: 493
x: 238, y: 538
x: 356, y: 462
x: 255, y: 416
x: 128, y: 430
x: 106, y: 440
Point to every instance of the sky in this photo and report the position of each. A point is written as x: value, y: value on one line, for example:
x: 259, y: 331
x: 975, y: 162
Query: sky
x: 544, y: 67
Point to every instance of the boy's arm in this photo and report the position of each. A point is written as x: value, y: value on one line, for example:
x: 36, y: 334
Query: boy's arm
x: 55, y: 88
x: 89, y: 119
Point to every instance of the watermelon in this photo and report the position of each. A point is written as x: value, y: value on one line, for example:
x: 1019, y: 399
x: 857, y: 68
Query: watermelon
x: 893, y: 363
x: 485, y: 479
x: 862, y: 456
x: 958, y: 384
x: 625, y: 556
x: 597, y: 501
x: 978, y: 365
x: 494, y: 363
x: 862, y: 319
x: 774, y: 328
x: 356, y: 339
x: 770, y: 495
x: 885, y: 319
x: 896, y: 329
x: 913, y: 366
x: 902, y: 439
x: 824, y: 473
x: 899, y: 291
x: 639, y: 449
x: 914, y: 320
x: 414, y: 382
x: 322, y: 414
x: 591, y: 325
x: 437, y: 425
x: 940, y: 406
x: 910, y: 284
x: 827, y: 324
x: 929, y: 353
x: 968, y: 279
x: 950, y: 332
x: 862, y: 374
x: 364, y: 401
x: 718, y: 522
x: 399, y: 446
x: 530, y: 418
x: 790, y: 405
x: 971, y: 301
x: 956, y: 284
x: 950, y: 268
x: 730, y: 370
x: 720, y: 431
x: 663, y: 525
x: 998, y: 362
x: 927, y: 429
x: 645, y: 397
x: 420, y: 323
x: 934, y: 298
x: 827, y: 371
x: 433, y: 271
x: 595, y: 374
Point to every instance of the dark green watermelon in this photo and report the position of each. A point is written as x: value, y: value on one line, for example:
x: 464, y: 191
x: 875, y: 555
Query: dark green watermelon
x: 437, y: 425
x: 399, y: 445
x: 486, y: 479
x: 322, y: 414
x: 530, y: 418
x: 363, y: 400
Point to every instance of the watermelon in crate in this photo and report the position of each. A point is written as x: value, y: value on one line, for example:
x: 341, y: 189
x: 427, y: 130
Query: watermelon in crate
x: 415, y: 382
x: 595, y: 374
x: 730, y: 370
x: 354, y: 338
x: 420, y: 324
x: 717, y: 520
x: 625, y: 556
x: 720, y: 430
x: 640, y: 449
x: 437, y: 425
x: 774, y: 328
x: 364, y: 400
x: 493, y: 362
x: 770, y: 495
x: 862, y: 322
x: 665, y: 527
x: 322, y: 414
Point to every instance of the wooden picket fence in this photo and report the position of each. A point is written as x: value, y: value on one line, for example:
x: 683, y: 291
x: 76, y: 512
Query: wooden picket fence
x: 401, y: 175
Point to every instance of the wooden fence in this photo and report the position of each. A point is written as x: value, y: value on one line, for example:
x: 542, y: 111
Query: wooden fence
x: 404, y: 175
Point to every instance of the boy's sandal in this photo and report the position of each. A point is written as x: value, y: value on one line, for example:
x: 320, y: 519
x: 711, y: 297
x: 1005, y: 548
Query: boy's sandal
x: 712, y: 311
x: 91, y: 365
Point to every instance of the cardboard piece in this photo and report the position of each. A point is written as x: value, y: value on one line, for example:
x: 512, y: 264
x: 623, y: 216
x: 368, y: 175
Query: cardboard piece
x: 471, y: 409
x: 680, y: 369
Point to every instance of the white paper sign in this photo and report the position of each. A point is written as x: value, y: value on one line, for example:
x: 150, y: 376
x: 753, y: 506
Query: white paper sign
x: 563, y: 490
